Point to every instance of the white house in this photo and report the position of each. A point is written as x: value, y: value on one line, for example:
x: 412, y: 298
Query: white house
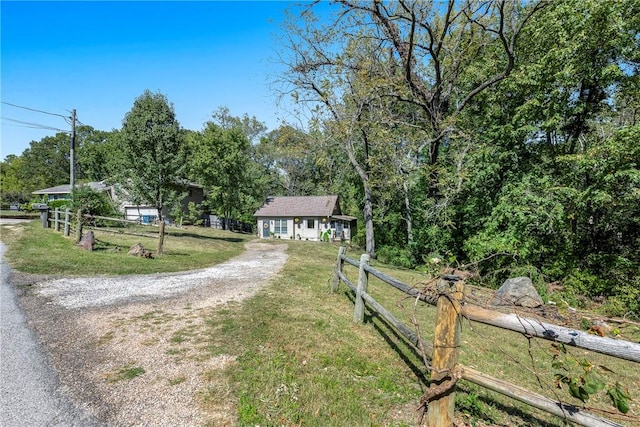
x: 304, y: 218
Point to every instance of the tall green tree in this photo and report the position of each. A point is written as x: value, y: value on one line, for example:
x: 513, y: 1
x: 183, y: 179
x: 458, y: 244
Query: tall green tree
x: 13, y: 188
x: 46, y: 162
x: 576, y: 59
x: 299, y: 160
x: 347, y: 106
x: 221, y: 163
x: 151, y: 147
x: 251, y: 126
x: 96, y: 151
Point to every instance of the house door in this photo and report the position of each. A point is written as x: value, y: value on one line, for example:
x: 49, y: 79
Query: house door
x: 265, y: 229
x: 339, y: 230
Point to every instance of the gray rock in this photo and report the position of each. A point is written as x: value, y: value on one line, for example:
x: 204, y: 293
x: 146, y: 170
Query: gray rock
x: 517, y: 291
x: 87, y: 241
x: 139, y: 250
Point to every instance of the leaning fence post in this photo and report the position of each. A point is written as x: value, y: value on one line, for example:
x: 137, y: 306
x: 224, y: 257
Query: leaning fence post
x: 363, y: 283
x: 67, y: 224
x: 336, y: 273
x: 446, y: 350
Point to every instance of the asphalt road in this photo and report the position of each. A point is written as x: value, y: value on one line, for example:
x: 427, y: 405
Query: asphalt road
x: 30, y: 394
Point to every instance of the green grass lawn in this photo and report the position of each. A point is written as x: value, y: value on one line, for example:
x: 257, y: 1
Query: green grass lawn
x: 300, y: 359
x: 44, y: 251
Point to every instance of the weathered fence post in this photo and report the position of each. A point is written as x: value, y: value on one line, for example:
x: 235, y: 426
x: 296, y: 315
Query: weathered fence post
x: 79, y: 225
x: 336, y: 273
x: 67, y: 223
x: 363, y: 283
x: 446, y: 350
x: 56, y: 219
x: 44, y: 216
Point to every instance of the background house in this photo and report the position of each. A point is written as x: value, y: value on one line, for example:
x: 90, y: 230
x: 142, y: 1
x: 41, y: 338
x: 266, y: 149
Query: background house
x: 148, y: 214
x: 304, y: 218
x: 145, y: 214
x: 63, y: 192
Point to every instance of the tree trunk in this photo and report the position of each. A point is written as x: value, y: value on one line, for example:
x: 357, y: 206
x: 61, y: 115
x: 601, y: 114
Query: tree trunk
x: 160, y: 232
x: 370, y: 245
x: 408, y: 218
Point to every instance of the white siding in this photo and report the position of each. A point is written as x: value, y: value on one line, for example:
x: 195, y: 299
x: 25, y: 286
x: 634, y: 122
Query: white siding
x: 282, y: 228
x: 306, y: 228
x: 134, y: 213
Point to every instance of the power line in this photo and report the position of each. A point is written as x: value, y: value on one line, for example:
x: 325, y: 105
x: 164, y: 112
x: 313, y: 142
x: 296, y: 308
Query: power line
x: 37, y: 126
x: 33, y: 109
x: 33, y: 125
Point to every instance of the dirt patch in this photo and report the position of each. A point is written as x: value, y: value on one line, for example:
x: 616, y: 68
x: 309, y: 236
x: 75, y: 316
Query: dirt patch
x: 132, y: 350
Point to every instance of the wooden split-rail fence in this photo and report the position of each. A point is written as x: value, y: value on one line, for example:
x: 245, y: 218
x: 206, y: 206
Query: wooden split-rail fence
x: 69, y: 222
x: 58, y: 219
x: 443, y: 352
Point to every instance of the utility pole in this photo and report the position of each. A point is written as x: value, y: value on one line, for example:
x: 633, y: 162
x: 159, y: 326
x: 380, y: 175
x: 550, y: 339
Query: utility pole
x: 72, y: 154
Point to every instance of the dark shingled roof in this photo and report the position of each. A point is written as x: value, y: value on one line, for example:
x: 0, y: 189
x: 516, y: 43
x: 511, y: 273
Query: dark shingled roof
x: 299, y: 206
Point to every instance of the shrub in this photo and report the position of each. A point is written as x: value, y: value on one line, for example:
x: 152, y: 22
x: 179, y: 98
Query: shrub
x: 195, y: 213
x: 59, y: 204
x: 396, y: 256
x: 94, y: 203
x: 625, y: 301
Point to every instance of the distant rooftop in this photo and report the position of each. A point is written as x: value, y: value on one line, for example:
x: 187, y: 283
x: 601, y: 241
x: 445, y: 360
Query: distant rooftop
x: 66, y: 188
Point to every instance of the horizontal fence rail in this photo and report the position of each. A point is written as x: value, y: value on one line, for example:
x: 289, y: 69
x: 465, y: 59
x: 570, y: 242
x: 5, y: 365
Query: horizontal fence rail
x: 532, y: 327
x: 76, y: 222
x: 126, y: 221
x: 529, y: 327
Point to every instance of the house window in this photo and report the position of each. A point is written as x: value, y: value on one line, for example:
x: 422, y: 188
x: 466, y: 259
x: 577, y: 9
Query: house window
x: 280, y: 226
x: 311, y: 223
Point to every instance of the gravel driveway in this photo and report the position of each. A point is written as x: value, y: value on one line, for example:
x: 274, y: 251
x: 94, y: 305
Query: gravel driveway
x: 95, y: 328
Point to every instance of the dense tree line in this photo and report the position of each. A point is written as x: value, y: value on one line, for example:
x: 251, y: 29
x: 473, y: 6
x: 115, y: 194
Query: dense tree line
x: 499, y: 134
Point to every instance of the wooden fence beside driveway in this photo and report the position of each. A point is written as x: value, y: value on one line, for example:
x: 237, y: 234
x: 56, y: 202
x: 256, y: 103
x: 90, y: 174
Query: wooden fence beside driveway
x: 443, y: 351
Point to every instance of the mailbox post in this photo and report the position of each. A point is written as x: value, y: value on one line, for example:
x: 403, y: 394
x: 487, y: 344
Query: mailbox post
x: 44, y: 213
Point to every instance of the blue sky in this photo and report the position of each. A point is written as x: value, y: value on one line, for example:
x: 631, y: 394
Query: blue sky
x: 97, y: 57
